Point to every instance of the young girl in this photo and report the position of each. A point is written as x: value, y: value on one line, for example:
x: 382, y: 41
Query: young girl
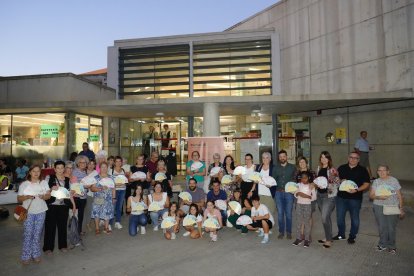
x: 212, y: 212
x: 169, y: 233
x: 32, y: 193
x: 305, y: 195
x: 137, y: 218
x: 246, y: 210
x: 195, y: 230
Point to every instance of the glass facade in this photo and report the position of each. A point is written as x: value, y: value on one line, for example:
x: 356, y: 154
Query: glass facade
x: 240, y: 68
x: 88, y: 129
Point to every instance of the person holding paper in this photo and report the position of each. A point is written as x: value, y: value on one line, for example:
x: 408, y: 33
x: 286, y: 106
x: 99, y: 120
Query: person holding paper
x: 80, y: 171
x: 136, y: 206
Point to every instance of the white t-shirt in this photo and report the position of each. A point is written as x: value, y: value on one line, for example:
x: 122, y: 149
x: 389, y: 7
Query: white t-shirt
x: 39, y: 188
x: 263, y: 190
x: 262, y: 211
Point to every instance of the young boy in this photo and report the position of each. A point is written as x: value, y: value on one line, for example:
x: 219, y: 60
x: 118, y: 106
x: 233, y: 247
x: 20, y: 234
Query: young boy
x: 262, y: 219
x: 305, y: 195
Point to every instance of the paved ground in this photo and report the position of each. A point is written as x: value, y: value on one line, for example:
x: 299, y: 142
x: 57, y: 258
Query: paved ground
x: 232, y: 254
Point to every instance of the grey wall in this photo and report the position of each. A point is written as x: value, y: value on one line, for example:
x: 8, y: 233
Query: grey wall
x: 342, y: 46
x: 47, y: 88
x: 390, y: 130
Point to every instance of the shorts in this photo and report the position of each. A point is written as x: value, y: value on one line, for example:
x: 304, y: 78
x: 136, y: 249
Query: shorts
x: 258, y: 223
x: 364, y: 159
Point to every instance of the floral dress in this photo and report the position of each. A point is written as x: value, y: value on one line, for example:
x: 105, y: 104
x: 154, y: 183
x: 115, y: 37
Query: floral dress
x: 102, y: 206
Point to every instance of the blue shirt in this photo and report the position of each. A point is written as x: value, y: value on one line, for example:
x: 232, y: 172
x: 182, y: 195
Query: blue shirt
x: 211, y: 196
x: 21, y: 172
x: 88, y: 154
x: 362, y: 145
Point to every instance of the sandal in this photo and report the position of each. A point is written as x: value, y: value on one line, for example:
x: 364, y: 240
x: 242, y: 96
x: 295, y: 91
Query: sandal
x: 327, y: 245
x: 97, y: 232
x: 26, y: 262
x: 107, y: 231
x: 37, y: 260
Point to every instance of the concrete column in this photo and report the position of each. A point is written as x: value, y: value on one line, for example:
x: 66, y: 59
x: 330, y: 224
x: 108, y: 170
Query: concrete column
x: 70, y: 133
x: 211, y: 121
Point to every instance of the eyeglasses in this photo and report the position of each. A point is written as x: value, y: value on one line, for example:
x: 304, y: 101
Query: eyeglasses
x: 83, y: 162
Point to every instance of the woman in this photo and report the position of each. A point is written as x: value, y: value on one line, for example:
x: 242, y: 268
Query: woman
x: 81, y: 162
x: 103, y: 199
x: 248, y: 187
x: 69, y: 171
x: 170, y: 233
x: 138, y: 217
x: 228, y: 165
x: 194, y: 231
x: 167, y: 183
x: 120, y: 188
x: 199, y: 173
x: 387, y: 224
x: 163, y: 200
x: 111, y: 162
x: 303, y: 167
x: 326, y: 197
x: 34, y: 202
x: 217, y: 174
x: 100, y: 157
x: 212, y: 212
x: 91, y: 169
x: 58, y: 211
x: 143, y: 182
x: 266, y: 192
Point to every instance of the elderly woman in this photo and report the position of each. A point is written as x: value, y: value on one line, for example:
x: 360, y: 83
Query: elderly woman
x: 163, y: 200
x: 387, y: 208
x: 197, y: 173
x: 326, y: 197
x: 103, y: 199
x: 266, y: 192
x: 81, y: 162
x: 34, y: 202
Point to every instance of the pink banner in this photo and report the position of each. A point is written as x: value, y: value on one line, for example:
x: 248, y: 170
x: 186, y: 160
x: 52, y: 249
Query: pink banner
x: 206, y: 146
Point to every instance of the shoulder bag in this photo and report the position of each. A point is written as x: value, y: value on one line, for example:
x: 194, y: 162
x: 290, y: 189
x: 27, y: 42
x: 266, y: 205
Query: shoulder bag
x: 391, y: 210
x: 20, y: 213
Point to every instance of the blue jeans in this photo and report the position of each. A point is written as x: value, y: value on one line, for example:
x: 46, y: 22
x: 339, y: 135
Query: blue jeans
x: 284, y: 204
x: 135, y: 221
x: 353, y: 206
x: 120, y: 197
x: 156, y: 215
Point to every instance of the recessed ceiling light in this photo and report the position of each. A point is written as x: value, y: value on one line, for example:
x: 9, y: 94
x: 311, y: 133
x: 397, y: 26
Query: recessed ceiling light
x: 159, y: 114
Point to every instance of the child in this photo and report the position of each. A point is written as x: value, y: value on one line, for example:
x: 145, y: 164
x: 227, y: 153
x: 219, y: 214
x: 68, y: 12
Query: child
x: 305, y: 195
x: 212, y: 212
x: 195, y: 230
x: 232, y: 217
x: 262, y: 219
x: 169, y: 233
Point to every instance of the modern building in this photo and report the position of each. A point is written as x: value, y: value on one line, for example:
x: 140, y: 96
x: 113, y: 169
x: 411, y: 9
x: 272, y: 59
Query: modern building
x: 304, y: 76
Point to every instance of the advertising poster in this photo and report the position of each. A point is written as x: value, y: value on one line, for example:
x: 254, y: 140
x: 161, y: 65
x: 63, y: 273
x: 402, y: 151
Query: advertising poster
x: 206, y: 146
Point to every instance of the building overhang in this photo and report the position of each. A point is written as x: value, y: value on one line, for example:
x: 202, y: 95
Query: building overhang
x: 194, y: 106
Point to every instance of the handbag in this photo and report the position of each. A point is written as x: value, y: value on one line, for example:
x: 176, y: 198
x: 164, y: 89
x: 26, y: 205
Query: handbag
x: 98, y: 200
x: 20, y: 213
x: 391, y: 210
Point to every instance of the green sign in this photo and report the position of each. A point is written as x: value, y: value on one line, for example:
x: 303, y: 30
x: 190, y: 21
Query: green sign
x: 49, y: 131
x: 94, y: 138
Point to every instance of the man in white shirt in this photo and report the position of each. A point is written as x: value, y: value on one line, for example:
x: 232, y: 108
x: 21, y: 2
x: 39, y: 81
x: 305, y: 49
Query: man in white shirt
x: 262, y: 219
x: 362, y: 147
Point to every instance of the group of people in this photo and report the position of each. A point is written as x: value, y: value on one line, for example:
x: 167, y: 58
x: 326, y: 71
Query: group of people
x: 104, y: 198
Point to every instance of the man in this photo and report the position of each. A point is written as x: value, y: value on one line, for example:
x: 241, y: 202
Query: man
x: 165, y: 136
x: 198, y: 197
x: 215, y: 194
x: 362, y: 148
x: 262, y: 219
x: 152, y: 163
x: 149, y: 136
x: 21, y: 173
x: 87, y: 152
x: 284, y: 172
x: 351, y: 200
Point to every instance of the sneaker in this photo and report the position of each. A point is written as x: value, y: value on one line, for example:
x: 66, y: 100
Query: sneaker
x: 214, y: 238
x: 289, y: 236
x: 265, y: 240
x: 173, y: 236
x: 380, y: 248
x: 118, y: 225
x: 261, y: 233
x: 280, y: 237
x: 137, y: 229
x: 155, y: 228
x: 339, y: 238
x: 143, y: 230
x: 297, y: 242
x: 351, y: 241
x: 186, y: 234
x: 392, y: 251
x: 211, y: 234
x: 270, y: 232
x: 110, y: 227
x: 306, y: 244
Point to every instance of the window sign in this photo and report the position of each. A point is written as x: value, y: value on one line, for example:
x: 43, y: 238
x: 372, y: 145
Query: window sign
x: 49, y: 131
x: 94, y: 138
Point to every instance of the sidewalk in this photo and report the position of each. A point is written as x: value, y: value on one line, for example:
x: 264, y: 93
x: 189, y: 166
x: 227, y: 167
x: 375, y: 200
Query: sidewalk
x: 232, y: 254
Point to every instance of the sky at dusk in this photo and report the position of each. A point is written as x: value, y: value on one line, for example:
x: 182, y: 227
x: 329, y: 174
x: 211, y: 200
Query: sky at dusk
x: 56, y: 36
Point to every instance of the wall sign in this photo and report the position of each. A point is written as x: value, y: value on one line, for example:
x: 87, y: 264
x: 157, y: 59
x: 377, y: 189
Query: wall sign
x: 49, y: 131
